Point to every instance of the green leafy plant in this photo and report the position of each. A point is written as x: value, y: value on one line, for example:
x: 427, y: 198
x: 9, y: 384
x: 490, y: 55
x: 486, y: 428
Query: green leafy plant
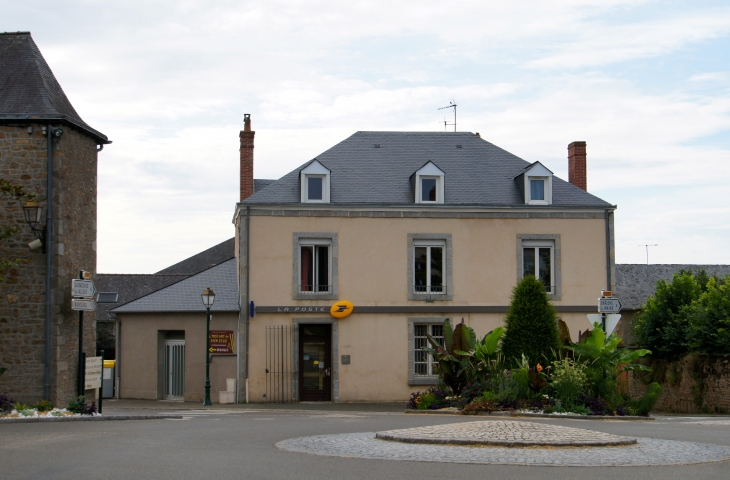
x: 454, y: 356
x: 663, y: 326
x: 531, y: 326
x: 21, y: 406
x: 43, y: 406
x: 18, y: 193
x: 76, y: 405
x: 643, y: 405
x: 606, y: 361
x: 424, y: 402
x: 568, y: 379
x: 709, y: 319
x: 487, y: 348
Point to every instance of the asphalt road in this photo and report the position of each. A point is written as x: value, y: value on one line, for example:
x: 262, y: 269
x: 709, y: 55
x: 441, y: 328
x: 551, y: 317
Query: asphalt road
x: 241, y: 444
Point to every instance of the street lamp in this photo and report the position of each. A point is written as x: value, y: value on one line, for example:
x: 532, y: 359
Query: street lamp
x: 208, y: 299
x: 33, y: 214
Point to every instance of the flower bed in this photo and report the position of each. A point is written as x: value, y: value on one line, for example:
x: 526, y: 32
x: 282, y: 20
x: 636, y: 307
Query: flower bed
x: 34, y: 413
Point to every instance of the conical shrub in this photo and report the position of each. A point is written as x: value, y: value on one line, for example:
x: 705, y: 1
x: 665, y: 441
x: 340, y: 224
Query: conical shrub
x: 531, y: 326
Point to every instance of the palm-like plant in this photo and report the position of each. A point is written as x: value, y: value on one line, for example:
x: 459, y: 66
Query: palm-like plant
x: 454, y: 355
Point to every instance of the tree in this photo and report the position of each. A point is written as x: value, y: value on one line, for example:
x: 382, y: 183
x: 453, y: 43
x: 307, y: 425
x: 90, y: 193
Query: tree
x: 531, y: 325
x: 17, y: 193
x: 663, y: 326
x: 709, y: 319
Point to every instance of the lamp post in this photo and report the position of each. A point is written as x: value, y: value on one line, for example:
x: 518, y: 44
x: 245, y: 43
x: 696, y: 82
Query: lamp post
x: 208, y: 299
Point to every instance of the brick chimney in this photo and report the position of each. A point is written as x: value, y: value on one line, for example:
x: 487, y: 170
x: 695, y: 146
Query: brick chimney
x: 246, y: 137
x: 577, y: 173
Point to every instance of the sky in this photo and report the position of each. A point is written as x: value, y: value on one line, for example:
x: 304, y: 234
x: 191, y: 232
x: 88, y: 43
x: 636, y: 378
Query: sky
x: 645, y: 83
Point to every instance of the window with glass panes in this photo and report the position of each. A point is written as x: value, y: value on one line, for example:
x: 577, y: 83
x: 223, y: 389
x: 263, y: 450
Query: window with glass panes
x: 428, y: 265
x: 314, y: 268
x: 537, y: 260
x: 425, y: 365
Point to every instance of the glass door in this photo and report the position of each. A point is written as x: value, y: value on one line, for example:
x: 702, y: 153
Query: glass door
x: 315, y: 363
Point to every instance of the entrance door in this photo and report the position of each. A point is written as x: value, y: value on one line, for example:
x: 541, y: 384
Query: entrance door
x: 175, y: 370
x: 315, y: 363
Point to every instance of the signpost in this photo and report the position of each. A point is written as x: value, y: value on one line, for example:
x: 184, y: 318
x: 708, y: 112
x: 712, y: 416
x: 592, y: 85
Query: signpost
x: 609, y: 305
x: 83, y: 305
x: 92, y: 377
x: 83, y: 288
x: 221, y: 342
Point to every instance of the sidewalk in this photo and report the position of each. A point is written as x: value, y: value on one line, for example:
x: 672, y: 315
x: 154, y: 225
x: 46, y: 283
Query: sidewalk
x: 113, y: 405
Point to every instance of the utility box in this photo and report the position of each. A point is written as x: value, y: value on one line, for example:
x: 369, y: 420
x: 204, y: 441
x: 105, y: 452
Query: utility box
x: 107, y: 379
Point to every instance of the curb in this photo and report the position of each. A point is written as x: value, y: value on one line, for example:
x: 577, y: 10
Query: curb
x: 537, y: 415
x: 497, y: 443
x: 89, y: 419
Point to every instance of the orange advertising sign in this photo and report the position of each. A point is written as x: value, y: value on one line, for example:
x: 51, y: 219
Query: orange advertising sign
x: 221, y: 342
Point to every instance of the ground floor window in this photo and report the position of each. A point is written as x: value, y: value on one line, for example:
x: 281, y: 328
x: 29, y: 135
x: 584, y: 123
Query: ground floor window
x: 424, y: 363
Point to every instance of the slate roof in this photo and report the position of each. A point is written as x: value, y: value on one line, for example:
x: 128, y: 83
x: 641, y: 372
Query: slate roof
x: 207, y: 258
x: 184, y: 296
x: 635, y: 283
x: 477, y: 173
x: 28, y: 88
x: 130, y: 287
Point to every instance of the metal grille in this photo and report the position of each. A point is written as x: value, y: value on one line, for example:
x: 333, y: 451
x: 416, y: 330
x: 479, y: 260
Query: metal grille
x: 175, y: 370
x: 424, y: 363
x: 279, y: 364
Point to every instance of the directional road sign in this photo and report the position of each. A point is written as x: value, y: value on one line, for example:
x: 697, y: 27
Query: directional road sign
x: 609, y: 305
x: 83, y: 304
x: 82, y: 288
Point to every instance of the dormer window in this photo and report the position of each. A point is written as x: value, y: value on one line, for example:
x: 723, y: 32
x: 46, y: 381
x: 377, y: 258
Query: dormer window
x: 429, y: 184
x: 536, y: 184
x: 315, y: 183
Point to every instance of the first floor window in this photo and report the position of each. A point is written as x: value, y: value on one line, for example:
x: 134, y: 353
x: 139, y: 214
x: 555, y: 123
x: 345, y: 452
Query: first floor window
x: 537, y: 260
x: 428, y: 267
x: 424, y: 363
x: 314, y: 269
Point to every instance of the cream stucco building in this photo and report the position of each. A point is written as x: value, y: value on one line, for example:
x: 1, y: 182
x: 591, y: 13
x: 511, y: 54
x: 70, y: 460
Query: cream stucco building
x: 411, y: 228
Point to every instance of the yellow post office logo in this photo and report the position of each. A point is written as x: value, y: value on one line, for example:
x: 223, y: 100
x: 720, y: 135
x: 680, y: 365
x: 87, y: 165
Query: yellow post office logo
x: 341, y: 309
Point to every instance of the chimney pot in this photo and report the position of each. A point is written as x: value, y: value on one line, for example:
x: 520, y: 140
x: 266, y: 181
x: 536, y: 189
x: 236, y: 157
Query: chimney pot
x: 577, y: 165
x: 246, y: 150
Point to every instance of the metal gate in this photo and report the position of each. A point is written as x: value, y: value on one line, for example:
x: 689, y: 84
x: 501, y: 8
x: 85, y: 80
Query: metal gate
x: 175, y: 370
x: 279, y: 364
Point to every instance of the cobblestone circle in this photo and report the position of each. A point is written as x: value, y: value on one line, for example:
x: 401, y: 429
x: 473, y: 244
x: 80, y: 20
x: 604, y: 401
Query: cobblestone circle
x: 505, y: 433
x: 647, y: 451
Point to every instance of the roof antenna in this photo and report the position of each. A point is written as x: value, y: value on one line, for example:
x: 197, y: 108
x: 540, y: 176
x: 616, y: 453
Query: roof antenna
x: 647, y: 245
x: 451, y: 105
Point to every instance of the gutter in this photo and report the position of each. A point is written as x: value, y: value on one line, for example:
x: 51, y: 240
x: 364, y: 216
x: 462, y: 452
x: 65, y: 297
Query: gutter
x: 608, y: 251
x: 100, y: 138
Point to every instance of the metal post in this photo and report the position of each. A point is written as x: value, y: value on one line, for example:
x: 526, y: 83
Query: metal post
x: 101, y: 387
x: 603, y: 322
x: 82, y: 366
x: 207, y: 358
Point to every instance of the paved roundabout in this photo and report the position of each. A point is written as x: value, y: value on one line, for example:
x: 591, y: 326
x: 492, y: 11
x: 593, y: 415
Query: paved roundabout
x: 508, y: 443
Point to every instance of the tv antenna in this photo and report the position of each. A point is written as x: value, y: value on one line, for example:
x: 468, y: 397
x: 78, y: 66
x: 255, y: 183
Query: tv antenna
x: 451, y: 105
x: 647, y: 245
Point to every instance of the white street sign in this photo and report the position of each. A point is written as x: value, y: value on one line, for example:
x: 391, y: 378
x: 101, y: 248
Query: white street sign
x: 609, y: 305
x: 611, y: 321
x: 81, y: 304
x: 82, y: 288
x: 92, y: 379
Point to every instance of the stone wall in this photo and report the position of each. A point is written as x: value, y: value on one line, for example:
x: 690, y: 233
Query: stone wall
x: 22, y: 304
x: 694, y: 384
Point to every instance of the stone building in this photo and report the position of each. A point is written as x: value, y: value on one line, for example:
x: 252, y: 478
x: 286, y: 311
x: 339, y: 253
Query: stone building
x: 39, y: 332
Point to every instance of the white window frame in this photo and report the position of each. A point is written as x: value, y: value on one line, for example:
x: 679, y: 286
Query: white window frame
x: 538, y: 171
x: 430, y: 361
x: 430, y: 172
x: 414, y: 379
x: 429, y: 244
x: 316, y: 170
x: 303, y: 239
x: 535, y: 245
x: 316, y: 242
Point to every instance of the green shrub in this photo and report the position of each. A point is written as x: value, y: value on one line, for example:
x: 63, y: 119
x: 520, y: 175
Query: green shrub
x: 709, y: 319
x: 663, y: 326
x: 531, y: 326
x: 425, y: 401
x: 76, y: 405
x: 568, y: 381
x: 644, y: 405
x: 43, y: 406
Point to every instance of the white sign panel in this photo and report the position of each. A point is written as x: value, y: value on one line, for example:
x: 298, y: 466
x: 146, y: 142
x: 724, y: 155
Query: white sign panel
x: 93, y: 373
x: 85, y: 305
x: 82, y: 288
x: 609, y: 305
x: 611, y: 320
